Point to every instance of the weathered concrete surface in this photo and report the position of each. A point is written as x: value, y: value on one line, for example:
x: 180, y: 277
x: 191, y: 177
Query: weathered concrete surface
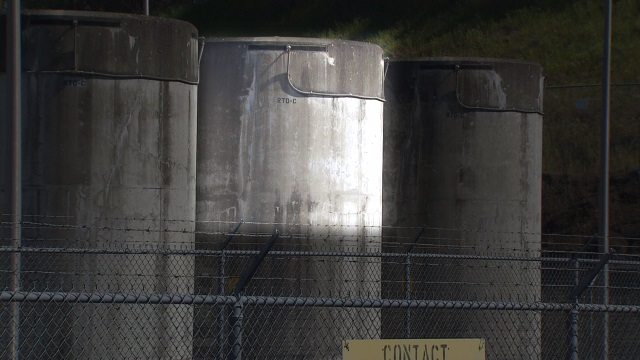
x: 306, y: 163
x: 109, y: 161
x: 107, y: 43
x: 462, y: 157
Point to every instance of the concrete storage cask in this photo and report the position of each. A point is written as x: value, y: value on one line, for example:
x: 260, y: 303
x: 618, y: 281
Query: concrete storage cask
x: 462, y: 157
x: 290, y: 136
x: 109, y: 114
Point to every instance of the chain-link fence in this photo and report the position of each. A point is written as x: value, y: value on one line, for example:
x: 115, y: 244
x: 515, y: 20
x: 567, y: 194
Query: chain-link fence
x: 297, y: 291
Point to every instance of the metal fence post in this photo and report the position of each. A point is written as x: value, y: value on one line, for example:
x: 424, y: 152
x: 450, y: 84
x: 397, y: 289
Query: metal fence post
x: 407, y: 283
x: 235, y: 337
x: 407, y: 296
x: 573, y: 315
x: 604, y: 167
x: 579, y: 288
x: 222, y: 284
x: 14, y: 79
x: 573, y: 333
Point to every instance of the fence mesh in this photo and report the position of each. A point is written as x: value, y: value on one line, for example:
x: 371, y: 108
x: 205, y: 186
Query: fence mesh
x: 229, y: 295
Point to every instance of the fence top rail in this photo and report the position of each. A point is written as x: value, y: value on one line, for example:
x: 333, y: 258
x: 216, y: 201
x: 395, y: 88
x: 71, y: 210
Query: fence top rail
x: 175, y: 250
x: 275, y: 253
x: 191, y: 299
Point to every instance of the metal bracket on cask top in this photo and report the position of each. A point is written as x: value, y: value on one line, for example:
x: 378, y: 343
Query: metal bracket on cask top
x: 456, y: 66
x: 284, y: 47
x: 71, y: 21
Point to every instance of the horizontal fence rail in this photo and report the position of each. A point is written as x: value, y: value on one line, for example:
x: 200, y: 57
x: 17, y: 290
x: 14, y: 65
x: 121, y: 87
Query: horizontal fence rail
x: 159, y: 299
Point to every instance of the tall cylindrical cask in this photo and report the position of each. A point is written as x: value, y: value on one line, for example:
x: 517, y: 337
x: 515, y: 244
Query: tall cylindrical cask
x: 109, y: 140
x: 290, y: 137
x: 462, y: 160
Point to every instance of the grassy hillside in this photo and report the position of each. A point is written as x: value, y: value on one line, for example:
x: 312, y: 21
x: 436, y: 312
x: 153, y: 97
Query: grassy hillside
x: 564, y: 36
